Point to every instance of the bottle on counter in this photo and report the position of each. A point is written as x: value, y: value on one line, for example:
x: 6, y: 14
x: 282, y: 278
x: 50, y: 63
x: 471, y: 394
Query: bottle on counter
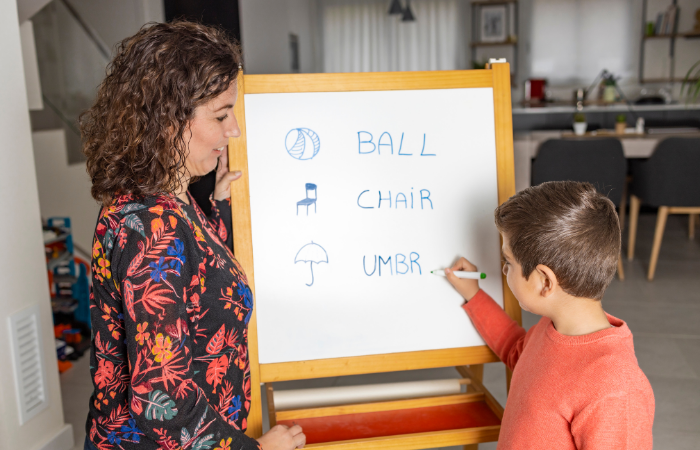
x: 639, y: 128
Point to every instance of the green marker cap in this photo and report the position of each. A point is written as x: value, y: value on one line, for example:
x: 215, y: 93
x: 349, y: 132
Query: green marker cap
x: 483, y: 275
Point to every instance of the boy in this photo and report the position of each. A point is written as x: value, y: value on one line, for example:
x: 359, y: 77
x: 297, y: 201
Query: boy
x: 576, y: 382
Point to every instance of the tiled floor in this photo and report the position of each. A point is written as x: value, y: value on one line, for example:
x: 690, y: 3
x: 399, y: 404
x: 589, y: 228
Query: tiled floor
x: 76, y: 389
x: 664, y: 316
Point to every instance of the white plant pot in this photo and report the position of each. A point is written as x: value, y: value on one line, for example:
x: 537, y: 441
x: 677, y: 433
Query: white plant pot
x: 580, y: 128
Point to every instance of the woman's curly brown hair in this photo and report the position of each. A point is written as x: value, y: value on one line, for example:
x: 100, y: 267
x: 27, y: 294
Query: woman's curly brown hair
x: 134, y: 134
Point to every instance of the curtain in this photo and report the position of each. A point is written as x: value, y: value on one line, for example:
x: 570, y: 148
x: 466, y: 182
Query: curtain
x: 360, y: 36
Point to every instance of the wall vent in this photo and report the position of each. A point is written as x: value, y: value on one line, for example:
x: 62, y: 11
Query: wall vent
x: 28, y: 363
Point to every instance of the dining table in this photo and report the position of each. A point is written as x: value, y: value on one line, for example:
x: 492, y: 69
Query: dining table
x: 634, y: 145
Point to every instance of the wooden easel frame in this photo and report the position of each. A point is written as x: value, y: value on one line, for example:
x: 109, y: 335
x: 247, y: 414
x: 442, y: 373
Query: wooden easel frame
x: 496, y: 76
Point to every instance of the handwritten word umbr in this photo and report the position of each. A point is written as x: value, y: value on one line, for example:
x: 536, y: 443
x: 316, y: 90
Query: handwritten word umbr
x: 400, y: 265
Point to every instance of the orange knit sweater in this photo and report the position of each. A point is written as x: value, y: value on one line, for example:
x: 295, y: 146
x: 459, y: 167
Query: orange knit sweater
x: 567, y: 392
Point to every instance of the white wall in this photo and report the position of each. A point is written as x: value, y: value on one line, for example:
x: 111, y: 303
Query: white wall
x: 589, y: 34
x: 31, y: 67
x: 573, y: 40
x: 265, y: 29
x: 303, y: 21
x: 600, y: 34
x: 114, y: 21
x: 22, y: 267
x: 27, y: 8
x: 64, y: 190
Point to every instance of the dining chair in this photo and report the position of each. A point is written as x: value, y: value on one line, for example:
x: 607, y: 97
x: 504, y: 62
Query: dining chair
x: 600, y: 162
x: 669, y: 180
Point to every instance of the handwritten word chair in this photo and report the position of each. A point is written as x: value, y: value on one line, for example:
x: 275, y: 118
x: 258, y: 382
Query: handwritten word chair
x: 670, y: 180
x: 600, y: 162
x: 308, y: 201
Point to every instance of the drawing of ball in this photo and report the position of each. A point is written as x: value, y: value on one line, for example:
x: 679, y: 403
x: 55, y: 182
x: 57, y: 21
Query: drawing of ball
x: 302, y: 143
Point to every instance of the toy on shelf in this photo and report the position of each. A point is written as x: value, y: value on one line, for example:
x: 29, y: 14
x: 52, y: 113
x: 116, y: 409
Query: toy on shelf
x: 70, y: 290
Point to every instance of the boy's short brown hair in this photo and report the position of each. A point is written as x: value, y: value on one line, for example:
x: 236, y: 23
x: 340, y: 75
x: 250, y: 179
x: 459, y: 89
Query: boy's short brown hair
x: 567, y: 226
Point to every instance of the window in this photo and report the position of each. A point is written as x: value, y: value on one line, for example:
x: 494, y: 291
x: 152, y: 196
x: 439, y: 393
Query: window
x: 360, y: 36
x: 573, y: 40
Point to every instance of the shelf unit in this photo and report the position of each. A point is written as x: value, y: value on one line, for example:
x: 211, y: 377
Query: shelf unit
x: 672, y: 78
x: 667, y: 80
x: 493, y: 2
x: 488, y: 44
x: 511, y: 25
x: 67, y: 277
x: 693, y: 35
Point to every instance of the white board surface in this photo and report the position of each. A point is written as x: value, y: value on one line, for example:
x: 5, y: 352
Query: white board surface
x: 322, y: 290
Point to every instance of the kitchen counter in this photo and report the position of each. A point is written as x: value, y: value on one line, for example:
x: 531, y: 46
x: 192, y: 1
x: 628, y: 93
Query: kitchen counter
x: 569, y: 108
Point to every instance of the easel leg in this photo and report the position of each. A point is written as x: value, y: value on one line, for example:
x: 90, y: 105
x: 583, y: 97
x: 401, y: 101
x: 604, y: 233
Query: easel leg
x: 477, y: 371
x: 271, y: 404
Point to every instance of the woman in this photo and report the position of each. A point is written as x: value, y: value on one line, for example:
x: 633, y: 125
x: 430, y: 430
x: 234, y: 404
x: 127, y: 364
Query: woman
x: 170, y: 304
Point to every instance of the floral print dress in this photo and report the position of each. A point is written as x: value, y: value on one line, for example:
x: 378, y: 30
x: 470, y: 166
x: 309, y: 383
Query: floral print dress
x: 170, y: 307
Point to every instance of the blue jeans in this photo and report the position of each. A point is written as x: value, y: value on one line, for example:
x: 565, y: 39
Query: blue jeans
x: 89, y: 445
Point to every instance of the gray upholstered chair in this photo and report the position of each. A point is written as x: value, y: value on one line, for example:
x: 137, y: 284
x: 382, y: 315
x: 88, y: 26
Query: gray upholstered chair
x: 600, y: 162
x: 669, y: 180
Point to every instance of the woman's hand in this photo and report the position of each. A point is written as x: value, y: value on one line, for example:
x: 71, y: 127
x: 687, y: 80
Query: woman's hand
x: 466, y: 288
x: 224, y: 178
x: 281, y: 437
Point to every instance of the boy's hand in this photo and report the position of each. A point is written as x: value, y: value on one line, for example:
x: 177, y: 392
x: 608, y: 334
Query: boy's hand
x: 466, y: 288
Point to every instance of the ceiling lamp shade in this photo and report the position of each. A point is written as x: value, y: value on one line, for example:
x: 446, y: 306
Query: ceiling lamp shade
x: 407, y: 13
x: 395, y: 7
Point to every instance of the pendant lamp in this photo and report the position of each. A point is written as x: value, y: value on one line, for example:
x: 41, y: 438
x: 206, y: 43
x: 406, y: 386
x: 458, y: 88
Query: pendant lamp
x: 407, y: 13
x: 395, y: 7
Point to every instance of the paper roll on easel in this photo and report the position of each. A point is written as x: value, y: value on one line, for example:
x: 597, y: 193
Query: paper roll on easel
x: 334, y: 396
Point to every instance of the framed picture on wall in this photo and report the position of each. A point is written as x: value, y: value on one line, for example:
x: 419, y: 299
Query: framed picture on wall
x: 493, y: 24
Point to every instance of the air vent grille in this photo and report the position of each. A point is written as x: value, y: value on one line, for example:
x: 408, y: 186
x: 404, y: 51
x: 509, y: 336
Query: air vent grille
x: 28, y: 363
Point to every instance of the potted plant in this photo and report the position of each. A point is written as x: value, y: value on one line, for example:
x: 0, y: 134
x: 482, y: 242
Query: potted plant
x: 691, y: 84
x: 580, y: 124
x: 620, y: 124
x: 609, y: 92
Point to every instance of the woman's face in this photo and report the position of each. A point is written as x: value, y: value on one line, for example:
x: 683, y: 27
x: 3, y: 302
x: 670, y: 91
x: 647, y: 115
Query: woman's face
x: 213, y: 124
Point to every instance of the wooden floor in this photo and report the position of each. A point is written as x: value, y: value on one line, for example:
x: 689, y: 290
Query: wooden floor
x: 664, y: 316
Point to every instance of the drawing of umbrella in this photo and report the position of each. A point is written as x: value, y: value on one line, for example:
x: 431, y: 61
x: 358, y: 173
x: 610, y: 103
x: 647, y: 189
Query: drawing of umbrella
x: 312, y: 254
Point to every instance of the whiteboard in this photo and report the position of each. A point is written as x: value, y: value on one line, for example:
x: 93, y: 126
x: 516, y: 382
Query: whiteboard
x: 404, y: 182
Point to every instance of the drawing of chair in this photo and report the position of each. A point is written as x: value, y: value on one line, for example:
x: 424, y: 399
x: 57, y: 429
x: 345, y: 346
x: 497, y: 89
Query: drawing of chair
x: 308, y: 201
